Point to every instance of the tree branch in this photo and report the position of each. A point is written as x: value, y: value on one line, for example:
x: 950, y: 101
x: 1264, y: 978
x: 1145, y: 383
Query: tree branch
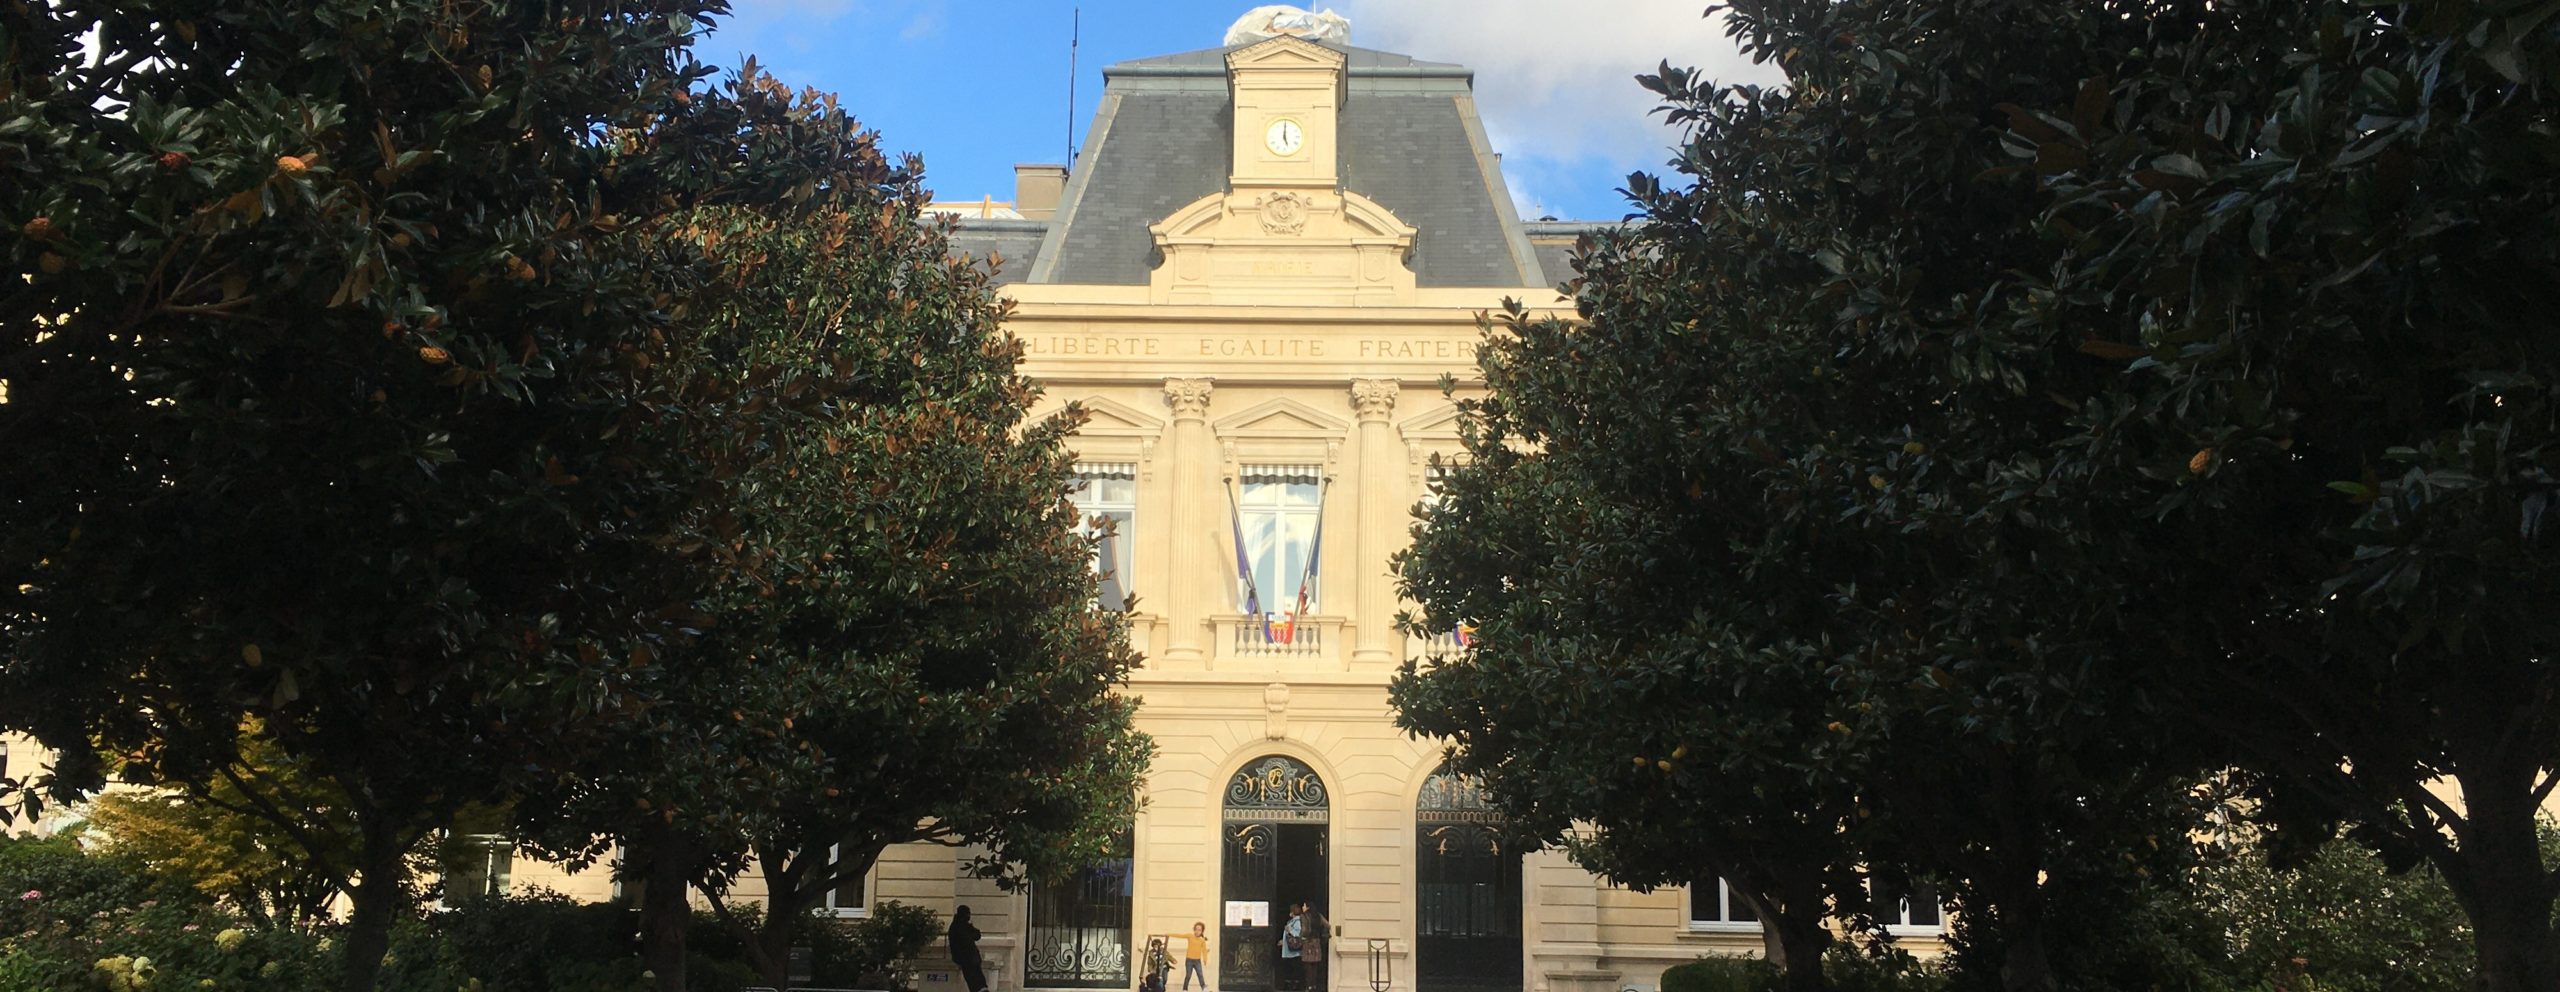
x: 266, y: 810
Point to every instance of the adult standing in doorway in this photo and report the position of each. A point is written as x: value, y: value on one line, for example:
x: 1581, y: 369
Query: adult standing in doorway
x: 964, y: 951
x: 1293, y: 972
x: 1311, y: 945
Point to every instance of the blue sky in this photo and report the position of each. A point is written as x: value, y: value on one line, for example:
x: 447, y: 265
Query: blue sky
x: 978, y: 85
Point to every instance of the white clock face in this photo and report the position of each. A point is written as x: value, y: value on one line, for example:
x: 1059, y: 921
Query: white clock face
x: 1284, y: 137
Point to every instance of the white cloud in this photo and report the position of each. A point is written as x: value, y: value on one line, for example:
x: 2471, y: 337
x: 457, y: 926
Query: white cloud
x: 924, y: 23
x: 1556, y: 82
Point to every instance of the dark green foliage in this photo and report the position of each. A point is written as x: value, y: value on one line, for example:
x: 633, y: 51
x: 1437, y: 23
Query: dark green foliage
x: 2322, y: 242
x: 534, y: 943
x: 2340, y: 919
x: 869, y: 953
x: 1846, y: 969
x: 890, y: 595
x: 1721, y: 974
x: 97, y: 908
x: 1852, y: 969
x: 330, y: 329
x: 2034, y: 408
x: 1744, y: 492
x: 71, y: 884
x: 387, y: 379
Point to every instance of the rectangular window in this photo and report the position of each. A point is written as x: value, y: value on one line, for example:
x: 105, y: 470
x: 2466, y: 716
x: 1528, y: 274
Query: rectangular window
x: 849, y: 897
x: 1916, y: 911
x: 1110, y: 492
x: 1277, y: 509
x: 478, y: 866
x: 1713, y: 905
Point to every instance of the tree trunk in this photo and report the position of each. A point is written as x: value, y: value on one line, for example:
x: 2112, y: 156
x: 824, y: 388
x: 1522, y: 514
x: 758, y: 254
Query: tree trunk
x: 2498, y: 876
x: 773, y: 943
x: 1791, y: 930
x: 666, y: 873
x: 786, y: 903
x: 377, y: 901
x: 1801, y: 941
x: 2025, y: 965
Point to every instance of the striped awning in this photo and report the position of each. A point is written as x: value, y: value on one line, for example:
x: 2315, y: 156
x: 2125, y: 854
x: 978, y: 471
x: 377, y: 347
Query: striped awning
x: 1310, y: 474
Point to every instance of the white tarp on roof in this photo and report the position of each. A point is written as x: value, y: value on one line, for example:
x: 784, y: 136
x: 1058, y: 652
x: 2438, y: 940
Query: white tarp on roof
x: 1265, y: 23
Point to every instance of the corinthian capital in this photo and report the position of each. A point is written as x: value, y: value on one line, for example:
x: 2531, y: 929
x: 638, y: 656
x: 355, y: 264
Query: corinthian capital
x: 1374, y: 399
x: 1189, y: 398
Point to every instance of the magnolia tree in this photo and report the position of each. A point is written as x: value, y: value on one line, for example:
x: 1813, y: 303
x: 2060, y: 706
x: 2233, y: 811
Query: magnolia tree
x: 896, y: 638
x: 2323, y: 258
x: 337, y: 335
x: 2018, y: 416
x: 1721, y: 534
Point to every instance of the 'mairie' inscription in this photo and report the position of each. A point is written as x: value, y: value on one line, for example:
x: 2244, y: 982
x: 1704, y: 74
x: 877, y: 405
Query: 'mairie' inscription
x: 1138, y: 346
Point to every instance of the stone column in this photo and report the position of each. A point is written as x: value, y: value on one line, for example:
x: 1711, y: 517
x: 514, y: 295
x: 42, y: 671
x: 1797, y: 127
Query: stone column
x: 1194, y: 460
x: 1383, y: 501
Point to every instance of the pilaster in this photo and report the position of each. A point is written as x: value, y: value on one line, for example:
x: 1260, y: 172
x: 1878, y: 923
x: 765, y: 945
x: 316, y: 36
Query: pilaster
x: 1382, y: 497
x: 1194, y: 465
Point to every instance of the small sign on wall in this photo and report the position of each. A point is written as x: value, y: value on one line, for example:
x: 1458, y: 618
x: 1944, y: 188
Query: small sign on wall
x: 1243, y: 913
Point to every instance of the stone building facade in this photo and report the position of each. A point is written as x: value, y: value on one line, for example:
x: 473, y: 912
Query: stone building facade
x: 1265, y: 261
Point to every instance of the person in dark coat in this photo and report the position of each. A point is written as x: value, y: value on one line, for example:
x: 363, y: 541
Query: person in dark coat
x: 964, y: 951
x: 1314, y: 952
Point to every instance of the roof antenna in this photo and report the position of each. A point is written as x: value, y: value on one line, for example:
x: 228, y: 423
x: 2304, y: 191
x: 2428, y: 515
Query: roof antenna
x: 1075, y: 33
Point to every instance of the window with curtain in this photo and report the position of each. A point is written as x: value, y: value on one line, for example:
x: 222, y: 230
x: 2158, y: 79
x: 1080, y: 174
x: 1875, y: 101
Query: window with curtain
x: 1277, y: 511
x: 1109, y: 491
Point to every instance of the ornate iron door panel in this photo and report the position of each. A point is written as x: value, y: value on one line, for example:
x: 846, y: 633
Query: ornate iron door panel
x: 1247, y: 955
x: 1466, y: 893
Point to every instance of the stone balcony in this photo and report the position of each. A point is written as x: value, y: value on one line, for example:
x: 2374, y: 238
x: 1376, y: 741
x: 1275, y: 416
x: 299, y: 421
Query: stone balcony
x: 1315, y: 642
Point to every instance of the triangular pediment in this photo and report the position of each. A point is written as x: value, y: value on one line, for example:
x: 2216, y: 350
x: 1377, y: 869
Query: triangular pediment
x: 1108, y: 417
x: 1439, y: 423
x: 1282, y: 418
x: 1283, y: 53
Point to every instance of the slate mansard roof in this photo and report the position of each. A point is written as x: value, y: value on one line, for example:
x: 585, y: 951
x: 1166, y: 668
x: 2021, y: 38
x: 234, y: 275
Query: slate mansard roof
x: 1410, y: 140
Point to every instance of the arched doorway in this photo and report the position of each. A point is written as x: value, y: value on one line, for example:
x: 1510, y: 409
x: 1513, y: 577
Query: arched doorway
x: 1274, y: 831
x: 1466, y: 921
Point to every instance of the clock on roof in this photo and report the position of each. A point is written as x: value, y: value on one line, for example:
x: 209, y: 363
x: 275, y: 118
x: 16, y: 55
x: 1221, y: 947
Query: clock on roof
x: 1284, y: 137
x: 1286, y: 104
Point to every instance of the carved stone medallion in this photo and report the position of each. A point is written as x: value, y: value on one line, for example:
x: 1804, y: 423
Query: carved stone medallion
x: 1283, y: 213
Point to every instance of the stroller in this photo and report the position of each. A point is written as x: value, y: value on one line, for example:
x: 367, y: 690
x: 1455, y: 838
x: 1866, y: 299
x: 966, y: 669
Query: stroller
x: 1158, y: 962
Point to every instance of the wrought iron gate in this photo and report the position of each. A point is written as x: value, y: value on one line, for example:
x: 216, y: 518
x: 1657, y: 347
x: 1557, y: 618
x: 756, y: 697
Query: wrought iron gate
x: 1078, y: 936
x: 1466, y: 892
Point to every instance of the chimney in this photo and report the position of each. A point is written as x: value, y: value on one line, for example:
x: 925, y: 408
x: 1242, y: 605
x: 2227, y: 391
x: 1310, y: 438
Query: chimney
x: 1036, y: 189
